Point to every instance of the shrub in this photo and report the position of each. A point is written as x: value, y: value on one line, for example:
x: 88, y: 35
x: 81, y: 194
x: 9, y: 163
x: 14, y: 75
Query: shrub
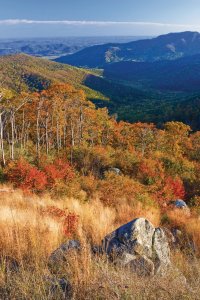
x: 69, y: 220
x: 115, y: 189
x: 25, y: 176
x: 57, y: 172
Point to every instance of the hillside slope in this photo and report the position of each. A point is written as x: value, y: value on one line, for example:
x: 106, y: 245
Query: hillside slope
x: 176, y: 75
x: 170, y: 46
x: 26, y: 73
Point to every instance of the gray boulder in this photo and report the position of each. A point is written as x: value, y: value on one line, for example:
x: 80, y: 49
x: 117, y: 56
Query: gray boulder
x: 59, y: 259
x: 139, y: 246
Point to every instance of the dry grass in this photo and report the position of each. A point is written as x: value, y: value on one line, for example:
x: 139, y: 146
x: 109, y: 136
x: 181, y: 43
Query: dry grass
x: 189, y: 223
x: 29, y: 236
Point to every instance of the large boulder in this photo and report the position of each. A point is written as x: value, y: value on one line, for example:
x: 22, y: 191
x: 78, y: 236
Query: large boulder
x: 139, y: 246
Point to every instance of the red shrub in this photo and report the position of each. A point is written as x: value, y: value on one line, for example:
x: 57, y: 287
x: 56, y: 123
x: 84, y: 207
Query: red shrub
x: 68, y: 220
x: 59, y: 170
x: 171, y: 189
x: 176, y: 186
x: 26, y: 177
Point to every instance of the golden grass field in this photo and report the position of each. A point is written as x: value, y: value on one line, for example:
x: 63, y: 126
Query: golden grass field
x: 29, y: 236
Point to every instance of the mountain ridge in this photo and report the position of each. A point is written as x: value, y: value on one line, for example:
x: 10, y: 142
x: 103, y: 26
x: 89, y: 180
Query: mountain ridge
x: 170, y: 46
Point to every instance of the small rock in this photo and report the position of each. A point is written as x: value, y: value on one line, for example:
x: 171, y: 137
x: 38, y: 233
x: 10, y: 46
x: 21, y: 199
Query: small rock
x: 115, y: 170
x: 183, y: 241
x: 9, y: 264
x: 180, y: 204
x: 97, y: 250
x: 59, y: 259
x: 62, y: 286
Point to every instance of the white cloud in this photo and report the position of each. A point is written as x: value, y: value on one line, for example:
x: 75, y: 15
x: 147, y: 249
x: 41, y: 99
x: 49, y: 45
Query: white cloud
x: 94, y: 23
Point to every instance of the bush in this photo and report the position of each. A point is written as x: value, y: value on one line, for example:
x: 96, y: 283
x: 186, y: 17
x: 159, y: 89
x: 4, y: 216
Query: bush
x: 26, y: 177
x: 115, y: 189
x: 58, y: 172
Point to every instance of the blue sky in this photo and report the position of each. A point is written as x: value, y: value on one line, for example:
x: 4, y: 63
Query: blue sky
x: 36, y: 18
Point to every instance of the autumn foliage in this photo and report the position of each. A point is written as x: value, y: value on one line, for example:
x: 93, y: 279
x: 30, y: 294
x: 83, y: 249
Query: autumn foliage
x: 56, y: 141
x: 25, y: 176
x: 69, y: 220
x: 29, y: 178
x: 59, y: 170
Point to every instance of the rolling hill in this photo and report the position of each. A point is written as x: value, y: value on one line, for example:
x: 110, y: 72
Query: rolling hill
x: 165, y: 47
x: 22, y: 72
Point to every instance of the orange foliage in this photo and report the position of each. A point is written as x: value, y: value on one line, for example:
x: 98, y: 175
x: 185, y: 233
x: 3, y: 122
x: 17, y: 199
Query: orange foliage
x: 59, y: 170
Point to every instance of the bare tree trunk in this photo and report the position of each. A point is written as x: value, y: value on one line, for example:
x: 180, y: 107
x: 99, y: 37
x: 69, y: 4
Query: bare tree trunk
x: 38, y: 133
x: 12, y: 120
x: 72, y: 141
x: 81, y: 125
x: 23, y: 130
x: 46, y: 134
x: 2, y: 142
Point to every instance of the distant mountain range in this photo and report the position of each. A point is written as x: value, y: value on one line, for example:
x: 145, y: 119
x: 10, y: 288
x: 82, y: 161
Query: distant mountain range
x: 165, y: 47
x: 54, y: 47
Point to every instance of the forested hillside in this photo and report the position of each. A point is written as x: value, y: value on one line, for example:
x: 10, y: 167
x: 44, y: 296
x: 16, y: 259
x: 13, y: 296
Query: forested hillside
x: 129, y: 101
x: 22, y: 72
x: 41, y: 131
x: 177, y: 75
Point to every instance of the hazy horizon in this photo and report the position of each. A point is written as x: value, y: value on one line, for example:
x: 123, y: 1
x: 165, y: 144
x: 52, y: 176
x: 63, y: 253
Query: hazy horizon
x: 63, y: 18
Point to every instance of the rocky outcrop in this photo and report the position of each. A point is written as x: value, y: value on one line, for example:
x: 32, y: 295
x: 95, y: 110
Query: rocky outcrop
x: 139, y: 246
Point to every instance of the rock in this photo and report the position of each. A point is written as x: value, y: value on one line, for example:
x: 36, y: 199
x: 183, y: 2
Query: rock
x: 161, y: 251
x: 170, y: 237
x: 59, y: 259
x: 180, y: 204
x: 59, y: 286
x: 140, y: 246
x: 115, y: 170
x: 97, y: 250
x: 9, y: 264
x: 183, y: 241
x: 142, y: 265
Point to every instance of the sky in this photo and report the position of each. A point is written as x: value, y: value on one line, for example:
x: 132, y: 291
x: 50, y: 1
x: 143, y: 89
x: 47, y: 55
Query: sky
x: 59, y: 18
